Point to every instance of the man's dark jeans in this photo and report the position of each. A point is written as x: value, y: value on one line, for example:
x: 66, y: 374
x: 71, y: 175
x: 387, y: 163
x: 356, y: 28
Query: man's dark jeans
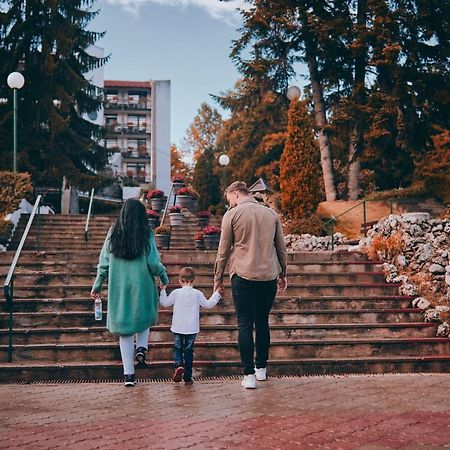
x: 253, y: 301
x: 183, y: 352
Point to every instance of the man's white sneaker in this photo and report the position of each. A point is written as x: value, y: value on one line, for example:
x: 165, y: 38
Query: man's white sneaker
x: 249, y: 381
x: 261, y: 374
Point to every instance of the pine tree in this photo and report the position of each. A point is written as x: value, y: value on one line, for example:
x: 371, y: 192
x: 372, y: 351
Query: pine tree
x: 48, y: 42
x: 300, y: 176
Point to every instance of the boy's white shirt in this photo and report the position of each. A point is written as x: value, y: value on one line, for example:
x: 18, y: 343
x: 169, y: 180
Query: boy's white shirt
x: 186, y: 303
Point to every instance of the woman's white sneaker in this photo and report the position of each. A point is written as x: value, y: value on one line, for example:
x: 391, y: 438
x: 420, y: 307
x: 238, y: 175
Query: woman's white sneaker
x: 261, y: 374
x: 249, y: 381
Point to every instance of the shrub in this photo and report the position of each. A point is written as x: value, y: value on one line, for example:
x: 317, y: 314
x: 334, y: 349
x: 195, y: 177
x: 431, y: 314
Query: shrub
x: 13, y: 188
x: 174, y: 209
x: 203, y: 214
x: 155, y: 193
x: 387, y: 248
x: 163, y: 230
x: 198, y: 236
x: 152, y: 214
x: 211, y: 230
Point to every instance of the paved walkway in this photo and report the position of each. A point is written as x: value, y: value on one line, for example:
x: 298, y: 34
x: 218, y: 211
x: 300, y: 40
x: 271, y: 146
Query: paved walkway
x: 345, y: 412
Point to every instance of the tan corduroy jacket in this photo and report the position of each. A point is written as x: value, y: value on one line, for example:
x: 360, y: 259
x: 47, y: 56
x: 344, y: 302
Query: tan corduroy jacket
x: 252, y: 236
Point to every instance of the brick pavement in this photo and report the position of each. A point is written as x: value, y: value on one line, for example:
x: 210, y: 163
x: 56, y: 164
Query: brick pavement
x: 369, y: 412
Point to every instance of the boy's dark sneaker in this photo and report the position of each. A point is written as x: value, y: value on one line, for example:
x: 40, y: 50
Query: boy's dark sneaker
x: 141, y: 356
x: 178, y: 374
x: 189, y: 381
x: 129, y: 380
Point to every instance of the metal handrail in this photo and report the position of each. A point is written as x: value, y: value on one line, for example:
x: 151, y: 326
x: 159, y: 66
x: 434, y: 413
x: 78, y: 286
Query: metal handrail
x: 167, y: 204
x: 8, y: 286
x: 86, y: 227
x: 330, y: 223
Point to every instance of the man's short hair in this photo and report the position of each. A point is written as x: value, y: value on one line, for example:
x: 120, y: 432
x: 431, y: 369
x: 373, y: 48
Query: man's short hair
x: 187, y: 274
x: 237, y: 186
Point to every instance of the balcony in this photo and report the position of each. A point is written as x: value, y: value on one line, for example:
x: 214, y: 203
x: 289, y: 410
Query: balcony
x: 141, y: 177
x: 136, y: 155
x: 125, y: 105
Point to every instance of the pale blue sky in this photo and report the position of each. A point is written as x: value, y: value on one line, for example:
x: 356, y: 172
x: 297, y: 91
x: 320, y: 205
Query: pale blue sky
x: 186, y: 41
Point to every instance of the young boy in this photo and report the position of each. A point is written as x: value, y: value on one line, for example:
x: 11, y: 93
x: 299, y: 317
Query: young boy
x: 186, y: 303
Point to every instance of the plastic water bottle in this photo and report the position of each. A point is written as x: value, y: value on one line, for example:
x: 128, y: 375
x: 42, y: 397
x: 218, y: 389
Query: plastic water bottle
x: 98, y: 309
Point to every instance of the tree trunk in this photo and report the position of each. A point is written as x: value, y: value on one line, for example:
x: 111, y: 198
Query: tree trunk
x: 356, y: 146
x: 326, y: 158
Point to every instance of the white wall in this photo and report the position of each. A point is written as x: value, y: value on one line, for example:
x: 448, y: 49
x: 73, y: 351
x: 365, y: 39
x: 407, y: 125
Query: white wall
x: 160, y: 151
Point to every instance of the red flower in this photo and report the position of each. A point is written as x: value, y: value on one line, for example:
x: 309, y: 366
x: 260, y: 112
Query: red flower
x: 155, y: 193
x: 204, y: 214
x: 211, y: 230
x: 174, y: 209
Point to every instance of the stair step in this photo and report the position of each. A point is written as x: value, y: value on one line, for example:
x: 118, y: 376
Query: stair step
x: 212, y: 351
x: 218, y: 317
x: 87, y: 370
x: 284, y: 302
x: 162, y: 333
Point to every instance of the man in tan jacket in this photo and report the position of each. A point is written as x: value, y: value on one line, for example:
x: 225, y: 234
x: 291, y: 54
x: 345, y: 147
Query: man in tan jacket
x: 253, y: 240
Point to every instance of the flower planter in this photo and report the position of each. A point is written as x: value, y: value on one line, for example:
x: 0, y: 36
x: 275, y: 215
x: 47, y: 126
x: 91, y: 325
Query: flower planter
x: 199, y: 244
x: 157, y: 204
x: 176, y: 219
x: 211, y: 241
x: 203, y: 221
x: 162, y: 241
x: 177, y: 186
x: 184, y: 201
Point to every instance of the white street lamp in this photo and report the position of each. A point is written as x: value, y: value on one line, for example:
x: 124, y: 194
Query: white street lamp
x: 293, y: 92
x: 15, y: 81
x: 224, y: 160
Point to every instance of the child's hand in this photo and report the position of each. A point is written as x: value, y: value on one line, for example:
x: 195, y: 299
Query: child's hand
x: 221, y: 290
x: 163, y: 287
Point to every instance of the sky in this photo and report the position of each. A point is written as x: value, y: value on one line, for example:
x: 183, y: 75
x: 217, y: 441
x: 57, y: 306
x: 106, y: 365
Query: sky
x: 185, y: 41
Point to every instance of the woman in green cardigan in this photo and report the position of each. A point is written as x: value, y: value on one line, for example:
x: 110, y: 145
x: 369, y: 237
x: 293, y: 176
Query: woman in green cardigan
x: 130, y: 260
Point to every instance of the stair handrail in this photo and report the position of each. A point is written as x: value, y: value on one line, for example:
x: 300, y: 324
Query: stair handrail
x: 8, y: 286
x: 330, y: 223
x: 167, y: 204
x: 88, y: 217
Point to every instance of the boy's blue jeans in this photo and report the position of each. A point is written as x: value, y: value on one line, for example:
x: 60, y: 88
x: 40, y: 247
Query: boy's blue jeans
x: 183, y: 352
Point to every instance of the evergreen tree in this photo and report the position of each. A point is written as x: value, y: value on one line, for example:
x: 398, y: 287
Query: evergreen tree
x: 300, y: 177
x: 48, y: 42
x: 205, y: 181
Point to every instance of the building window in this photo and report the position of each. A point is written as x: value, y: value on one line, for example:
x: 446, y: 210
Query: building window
x: 112, y: 96
x: 111, y: 143
x: 111, y: 120
x: 137, y: 98
x: 137, y: 123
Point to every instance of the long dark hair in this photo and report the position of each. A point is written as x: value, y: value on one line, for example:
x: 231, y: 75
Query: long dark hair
x: 130, y: 233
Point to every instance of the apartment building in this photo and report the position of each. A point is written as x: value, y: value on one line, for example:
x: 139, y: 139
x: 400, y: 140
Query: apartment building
x: 137, y: 118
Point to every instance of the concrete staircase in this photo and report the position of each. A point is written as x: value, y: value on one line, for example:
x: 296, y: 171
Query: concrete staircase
x: 337, y: 316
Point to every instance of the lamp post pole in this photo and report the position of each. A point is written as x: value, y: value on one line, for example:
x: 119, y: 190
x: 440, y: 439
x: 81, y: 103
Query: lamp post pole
x: 224, y: 160
x: 15, y: 81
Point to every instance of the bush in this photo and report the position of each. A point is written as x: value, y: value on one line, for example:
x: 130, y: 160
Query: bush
x: 13, y: 188
x: 387, y: 248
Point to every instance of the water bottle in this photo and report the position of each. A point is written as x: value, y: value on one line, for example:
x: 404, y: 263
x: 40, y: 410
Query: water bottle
x: 98, y: 309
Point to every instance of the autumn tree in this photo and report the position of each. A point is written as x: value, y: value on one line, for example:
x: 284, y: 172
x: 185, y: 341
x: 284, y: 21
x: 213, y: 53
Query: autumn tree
x: 177, y: 165
x: 300, y: 175
x: 202, y: 132
x: 49, y: 42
